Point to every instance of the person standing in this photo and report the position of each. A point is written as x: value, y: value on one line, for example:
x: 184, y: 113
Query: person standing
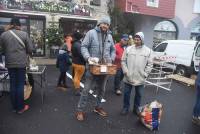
x: 196, y: 109
x: 136, y: 64
x: 16, y: 61
x: 68, y: 42
x: 63, y: 63
x: 78, y: 62
x: 130, y: 41
x: 97, y: 46
x: 119, y: 47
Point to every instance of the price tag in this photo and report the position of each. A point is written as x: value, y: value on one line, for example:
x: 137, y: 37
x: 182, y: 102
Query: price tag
x: 103, y: 69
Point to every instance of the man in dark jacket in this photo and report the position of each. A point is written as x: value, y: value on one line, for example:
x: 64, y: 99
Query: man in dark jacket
x: 78, y: 62
x: 16, y: 61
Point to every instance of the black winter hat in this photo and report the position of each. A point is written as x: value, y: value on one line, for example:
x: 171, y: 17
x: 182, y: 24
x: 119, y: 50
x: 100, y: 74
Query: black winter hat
x: 15, y: 22
x: 77, y: 35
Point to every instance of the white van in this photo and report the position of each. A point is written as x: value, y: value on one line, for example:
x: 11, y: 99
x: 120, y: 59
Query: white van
x: 186, y: 53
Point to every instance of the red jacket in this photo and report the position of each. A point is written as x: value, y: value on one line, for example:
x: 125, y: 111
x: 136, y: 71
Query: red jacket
x: 119, y: 51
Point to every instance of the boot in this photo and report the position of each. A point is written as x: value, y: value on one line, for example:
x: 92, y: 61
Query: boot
x: 77, y: 92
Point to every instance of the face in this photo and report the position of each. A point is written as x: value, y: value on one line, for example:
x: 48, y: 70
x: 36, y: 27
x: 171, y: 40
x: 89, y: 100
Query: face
x: 124, y: 42
x: 137, y: 41
x: 104, y: 27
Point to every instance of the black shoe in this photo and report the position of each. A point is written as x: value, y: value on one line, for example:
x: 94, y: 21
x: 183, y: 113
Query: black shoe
x: 77, y: 93
x: 124, y: 111
x: 136, y: 112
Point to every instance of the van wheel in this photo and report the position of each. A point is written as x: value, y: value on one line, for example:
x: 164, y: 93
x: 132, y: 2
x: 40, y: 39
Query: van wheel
x: 181, y: 70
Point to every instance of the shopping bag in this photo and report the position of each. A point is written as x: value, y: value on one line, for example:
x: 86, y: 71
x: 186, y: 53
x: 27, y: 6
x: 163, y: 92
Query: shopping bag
x: 27, y: 89
x: 151, y: 115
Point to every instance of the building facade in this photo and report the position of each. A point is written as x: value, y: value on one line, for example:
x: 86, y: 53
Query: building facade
x: 187, y: 21
x: 162, y: 20
x: 36, y: 16
x: 146, y: 14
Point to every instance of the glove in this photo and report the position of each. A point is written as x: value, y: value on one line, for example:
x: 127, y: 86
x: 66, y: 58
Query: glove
x: 93, y: 60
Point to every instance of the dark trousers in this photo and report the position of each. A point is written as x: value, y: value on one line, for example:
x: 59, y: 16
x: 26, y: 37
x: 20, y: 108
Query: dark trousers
x: 62, y: 79
x: 118, y: 78
x: 17, y: 81
x: 196, y: 110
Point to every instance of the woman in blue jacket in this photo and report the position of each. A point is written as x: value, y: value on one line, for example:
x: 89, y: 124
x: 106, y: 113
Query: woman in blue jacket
x: 63, y: 62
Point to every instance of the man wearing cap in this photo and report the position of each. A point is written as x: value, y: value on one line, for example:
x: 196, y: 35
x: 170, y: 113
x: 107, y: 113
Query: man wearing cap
x: 136, y: 65
x: 119, y: 47
x: 97, y: 47
x: 16, y: 45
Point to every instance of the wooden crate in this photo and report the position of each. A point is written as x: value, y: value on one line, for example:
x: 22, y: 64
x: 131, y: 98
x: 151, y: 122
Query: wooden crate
x: 188, y: 81
x: 103, y: 69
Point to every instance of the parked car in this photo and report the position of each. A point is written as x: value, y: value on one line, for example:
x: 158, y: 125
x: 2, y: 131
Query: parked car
x: 186, y: 53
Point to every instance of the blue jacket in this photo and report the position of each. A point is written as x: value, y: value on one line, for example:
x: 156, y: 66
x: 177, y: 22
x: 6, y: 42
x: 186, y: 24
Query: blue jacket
x: 63, y: 61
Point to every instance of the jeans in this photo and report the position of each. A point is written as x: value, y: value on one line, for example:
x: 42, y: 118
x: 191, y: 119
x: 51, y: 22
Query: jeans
x: 17, y: 81
x: 62, y: 79
x: 92, y: 81
x: 118, y: 78
x: 196, y: 110
x: 137, y: 99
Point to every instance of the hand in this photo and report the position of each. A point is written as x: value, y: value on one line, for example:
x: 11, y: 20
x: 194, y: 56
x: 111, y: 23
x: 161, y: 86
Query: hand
x: 93, y: 60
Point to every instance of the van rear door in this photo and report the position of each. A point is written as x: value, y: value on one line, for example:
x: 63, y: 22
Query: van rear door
x: 196, y: 57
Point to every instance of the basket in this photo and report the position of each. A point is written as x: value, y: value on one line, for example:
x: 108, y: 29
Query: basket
x: 103, y: 69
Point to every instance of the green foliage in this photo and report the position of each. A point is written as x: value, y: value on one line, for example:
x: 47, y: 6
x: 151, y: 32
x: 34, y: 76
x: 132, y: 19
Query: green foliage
x: 120, y: 22
x: 116, y: 37
x: 54, y: 35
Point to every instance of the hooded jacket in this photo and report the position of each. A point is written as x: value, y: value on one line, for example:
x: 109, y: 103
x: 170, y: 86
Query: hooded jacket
x: 136, y: 63
x: 92, y: 45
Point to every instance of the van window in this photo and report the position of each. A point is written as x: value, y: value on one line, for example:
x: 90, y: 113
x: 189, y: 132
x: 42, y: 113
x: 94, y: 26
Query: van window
x: 161, y: 47
x: 198, y: 51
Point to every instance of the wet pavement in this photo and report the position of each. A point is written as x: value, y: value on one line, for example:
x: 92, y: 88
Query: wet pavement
x: 56, y: 115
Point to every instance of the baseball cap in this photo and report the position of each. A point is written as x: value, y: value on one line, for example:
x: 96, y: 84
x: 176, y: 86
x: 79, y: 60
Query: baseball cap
x: 124, y: 37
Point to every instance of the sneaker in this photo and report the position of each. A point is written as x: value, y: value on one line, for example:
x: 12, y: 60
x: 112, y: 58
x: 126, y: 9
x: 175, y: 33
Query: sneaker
x: 80, y: 116
x: 26, y: 107
x: 118, y: 92
x: 100, y: 111
x: 196, y: 120
x: 124, y: 112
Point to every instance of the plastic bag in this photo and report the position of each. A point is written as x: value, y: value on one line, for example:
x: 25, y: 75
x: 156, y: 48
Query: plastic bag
x: 151, y: 115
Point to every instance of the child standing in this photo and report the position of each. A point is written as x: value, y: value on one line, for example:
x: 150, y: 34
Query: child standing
x: 63, y: 62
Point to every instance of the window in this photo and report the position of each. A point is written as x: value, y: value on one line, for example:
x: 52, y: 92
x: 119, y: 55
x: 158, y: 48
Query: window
x: 164, y: 30
x: 95, y: 2
x: 153, y: 3
x: 196, y: 8
x: 161, y: 47
x: 195, y: 31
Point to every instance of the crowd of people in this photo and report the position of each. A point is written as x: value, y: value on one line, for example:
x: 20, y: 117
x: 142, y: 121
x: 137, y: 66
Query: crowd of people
x: 131, y: 56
